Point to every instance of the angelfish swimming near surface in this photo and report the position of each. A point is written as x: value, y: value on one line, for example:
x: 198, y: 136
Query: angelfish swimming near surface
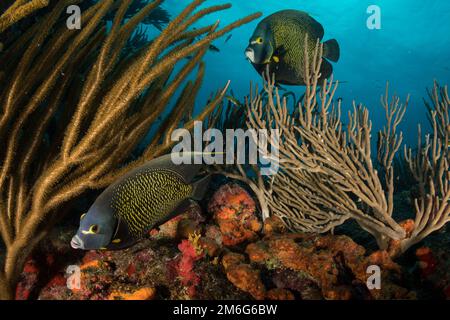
x: 279, y: 42
x: 141, y: 200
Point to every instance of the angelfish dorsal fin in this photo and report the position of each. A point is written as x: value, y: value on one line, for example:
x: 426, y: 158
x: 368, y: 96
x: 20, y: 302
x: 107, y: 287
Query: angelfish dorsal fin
x: 187, y: 170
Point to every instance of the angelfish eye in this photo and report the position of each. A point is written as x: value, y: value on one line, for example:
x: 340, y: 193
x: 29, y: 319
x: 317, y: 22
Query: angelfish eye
x: 259, y: 40
x: 93, y: 228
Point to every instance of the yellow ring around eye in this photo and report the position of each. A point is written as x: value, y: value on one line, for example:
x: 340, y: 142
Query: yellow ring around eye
x: 259, y: 40
x: 93, y: 229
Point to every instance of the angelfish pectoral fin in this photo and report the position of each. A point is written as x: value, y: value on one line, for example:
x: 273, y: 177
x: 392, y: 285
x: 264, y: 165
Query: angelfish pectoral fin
x: 278, y: 54
x: 200, y: 187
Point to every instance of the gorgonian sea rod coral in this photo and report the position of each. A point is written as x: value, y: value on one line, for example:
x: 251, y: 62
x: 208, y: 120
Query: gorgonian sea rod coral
x: 18, y: 10
x: 75, y: 104
x: 328, y: 173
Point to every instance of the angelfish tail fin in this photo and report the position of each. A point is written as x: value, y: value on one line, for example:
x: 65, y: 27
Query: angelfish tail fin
x: 331, y: 50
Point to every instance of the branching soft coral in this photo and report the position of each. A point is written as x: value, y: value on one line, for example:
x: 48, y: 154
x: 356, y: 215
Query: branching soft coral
x: 431, y: 168
x: 18, y: 10
x: 74, y: 107
x: 190, y: 253
x: 327, y: 171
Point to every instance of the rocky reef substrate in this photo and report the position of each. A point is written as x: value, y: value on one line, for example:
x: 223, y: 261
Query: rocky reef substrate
x: 229, y: 253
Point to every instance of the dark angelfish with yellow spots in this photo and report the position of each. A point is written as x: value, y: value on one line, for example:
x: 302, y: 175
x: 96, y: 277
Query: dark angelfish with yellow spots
x: 139, y: 201
x: 279, y: 42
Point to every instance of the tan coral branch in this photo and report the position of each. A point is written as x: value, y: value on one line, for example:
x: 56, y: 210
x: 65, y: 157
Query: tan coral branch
x: 19, y: 10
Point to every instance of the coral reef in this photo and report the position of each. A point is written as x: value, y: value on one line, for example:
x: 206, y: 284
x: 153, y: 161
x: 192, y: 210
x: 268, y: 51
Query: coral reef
x: 153, y: 269
x: 327, y: 172
x: 246, y: 278
x: 335, y: 264
x: 190, y: 253
x: 86, y: 106
x: 79, y: 109
x: 277, y: 264
x: 140, y: 294
x: 234, y: 211
x: 432, y: 265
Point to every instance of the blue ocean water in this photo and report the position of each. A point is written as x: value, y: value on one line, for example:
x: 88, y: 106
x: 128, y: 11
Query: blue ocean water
x: 411, y: 49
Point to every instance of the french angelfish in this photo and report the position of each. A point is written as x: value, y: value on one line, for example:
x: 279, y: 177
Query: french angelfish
x: 139, y: 201
x: 279, y: 42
